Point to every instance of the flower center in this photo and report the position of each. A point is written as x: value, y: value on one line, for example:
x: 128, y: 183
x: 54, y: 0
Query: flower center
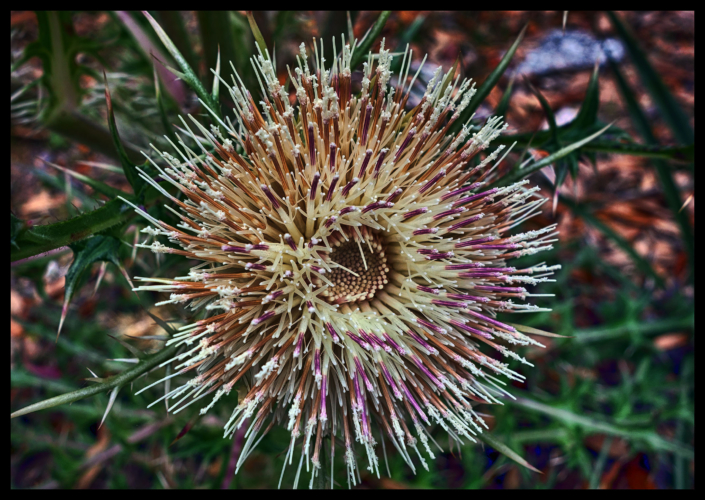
x: 362, y: 266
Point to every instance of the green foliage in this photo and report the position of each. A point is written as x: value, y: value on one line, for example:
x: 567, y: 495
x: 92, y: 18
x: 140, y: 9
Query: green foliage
x: 99, y: 248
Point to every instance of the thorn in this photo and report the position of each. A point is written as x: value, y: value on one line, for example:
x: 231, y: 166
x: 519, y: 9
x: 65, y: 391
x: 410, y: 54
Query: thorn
x: 186, y: 428
x: 64, y: 309
x: 127, y: 277
x: 127, y: 346
x: 565, y: 19
x: 687, y: 202
x: 101, y: 273
x: 113, y: 395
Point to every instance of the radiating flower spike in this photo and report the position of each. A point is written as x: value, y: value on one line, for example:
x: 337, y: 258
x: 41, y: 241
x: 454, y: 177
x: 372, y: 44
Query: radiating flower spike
x: 351, y: 265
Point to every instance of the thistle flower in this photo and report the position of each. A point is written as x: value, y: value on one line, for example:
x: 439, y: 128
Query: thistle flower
x: 351, y: 264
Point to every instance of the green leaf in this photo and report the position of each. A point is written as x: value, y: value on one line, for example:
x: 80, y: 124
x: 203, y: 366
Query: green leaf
x: 17, y: 225
x: 550, y: 116
x: 174, y: 26
x: 259, y: 39
x: 587, y: 116
x: 667, y: 104
x: 536, y: 331
x: 77, y: 127
x: 682, y: 154
x: 520, y: 173
x: 365, y: 44
x: 60, y: 70
x: 505, y: 450
x: 187, y: 74
x: 97, y: 185
x: 218, y: 38
x: 654, y: 327
x: 118, y: 380
x: 128, y: 167
x: 216, y: 79
x: 406, y: 38
x: 503, y: 105
x: 136, y: 352
x: 168, y: 127
x: 487, y: 85
x: 39, y: 239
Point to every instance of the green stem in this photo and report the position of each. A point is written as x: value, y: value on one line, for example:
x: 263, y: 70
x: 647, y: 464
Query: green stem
x: 115, y: 381
x: 40, y: 239
x: 595, y: 425
x: 585, y: 336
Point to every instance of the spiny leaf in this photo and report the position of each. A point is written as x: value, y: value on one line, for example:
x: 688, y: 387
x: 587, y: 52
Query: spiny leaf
x: 555, y: 142
x: 681, y: 154
x: 139, y: 354
x: 550, y: 116
x: 670, y: 189
x: 39, y: 239
x: 219, y: 40
x: 174, y: 26
x: 595, y: 425
x: 587, y: 116
x: 98, y: 248
x: 488, y: 84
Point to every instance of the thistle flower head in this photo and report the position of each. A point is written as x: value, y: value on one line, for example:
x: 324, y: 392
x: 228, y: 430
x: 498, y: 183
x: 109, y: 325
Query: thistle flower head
x: 351, y: 264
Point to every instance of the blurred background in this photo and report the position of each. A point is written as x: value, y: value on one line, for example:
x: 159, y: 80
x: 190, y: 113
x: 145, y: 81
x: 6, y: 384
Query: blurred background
x: 610, y: 406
